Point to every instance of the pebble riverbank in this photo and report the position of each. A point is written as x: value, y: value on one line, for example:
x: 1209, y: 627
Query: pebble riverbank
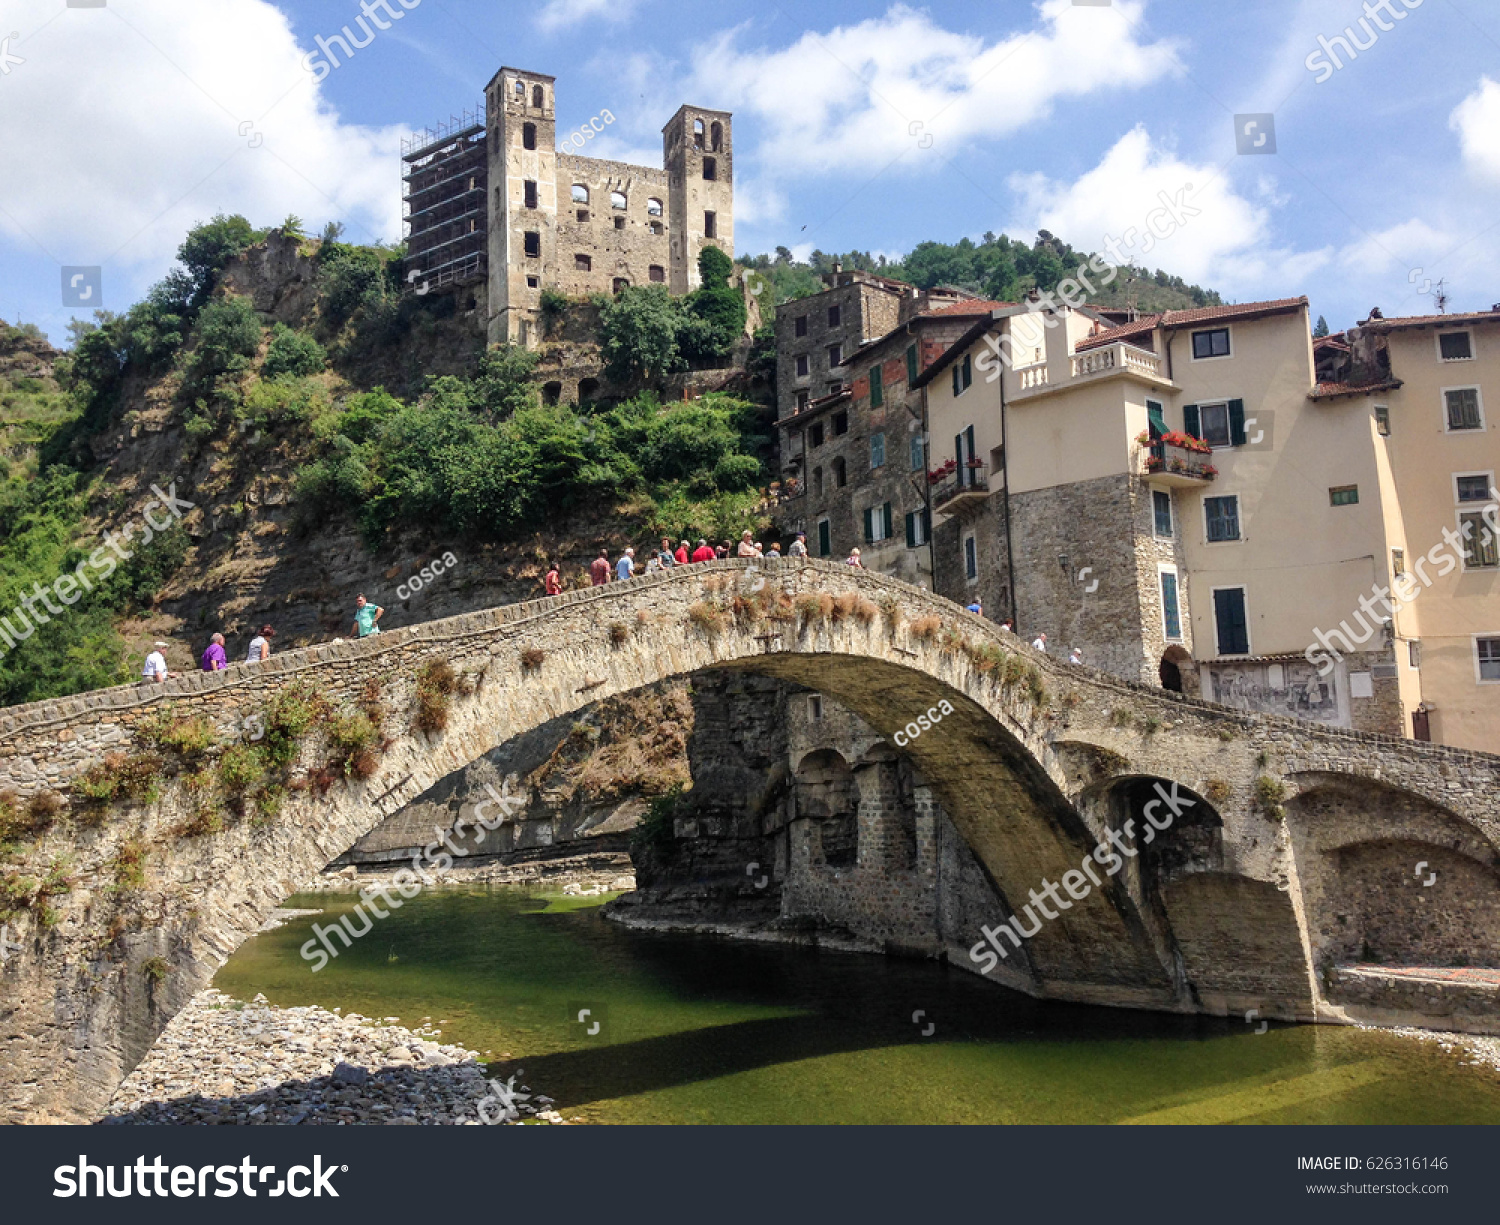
x: 228, y: 1062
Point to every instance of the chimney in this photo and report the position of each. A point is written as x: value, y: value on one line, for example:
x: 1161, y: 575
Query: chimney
x: 1375, y: 313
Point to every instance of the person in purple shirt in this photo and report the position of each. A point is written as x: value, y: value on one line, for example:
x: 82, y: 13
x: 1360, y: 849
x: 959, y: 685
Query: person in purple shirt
x: 214, y: 659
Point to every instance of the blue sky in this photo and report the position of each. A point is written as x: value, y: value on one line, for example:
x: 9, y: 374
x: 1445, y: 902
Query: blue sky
x: 856, y: 125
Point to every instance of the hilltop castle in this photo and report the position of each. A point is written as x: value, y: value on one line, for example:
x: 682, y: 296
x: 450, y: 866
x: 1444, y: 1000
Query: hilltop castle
x: 490, y: 200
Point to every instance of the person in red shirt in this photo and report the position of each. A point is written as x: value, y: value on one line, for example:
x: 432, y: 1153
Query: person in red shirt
x: 682, y: 554
x: 704, y: 551
x: 601, y: 571
x: 554, y: 580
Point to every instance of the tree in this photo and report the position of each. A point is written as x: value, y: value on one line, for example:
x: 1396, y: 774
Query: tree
x: 1322, y: 327
x: 292, y: 352
x: 718, y: 304
x: 208, y: 248
x: 638, y: 332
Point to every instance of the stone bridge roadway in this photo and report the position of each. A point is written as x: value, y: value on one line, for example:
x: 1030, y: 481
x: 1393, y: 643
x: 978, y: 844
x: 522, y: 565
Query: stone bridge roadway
x: 1240, y: 904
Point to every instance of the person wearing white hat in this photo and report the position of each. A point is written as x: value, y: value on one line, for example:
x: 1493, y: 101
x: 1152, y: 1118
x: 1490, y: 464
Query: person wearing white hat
x: 155, y: 671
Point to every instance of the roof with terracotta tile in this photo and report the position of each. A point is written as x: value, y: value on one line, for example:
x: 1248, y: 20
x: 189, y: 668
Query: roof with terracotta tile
x: 1197, y: 314
x: 1426, y: 321
x: 1329, y: 391
x: 969, y: 306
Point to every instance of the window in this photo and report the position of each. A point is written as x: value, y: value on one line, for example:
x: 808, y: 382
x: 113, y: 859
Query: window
x: 878, y: 523
x: 619, y: 223
x: 537, y: 97
x: 1211, y: 343
x: 835, y: 356
x: 654, y: 227
x: 657, y: 274
x: 815, y: 708
x: 817, y: 480
x: 1463, y: 408
x: 963, y: 375
x: 583, y: 263
x: 533, y: 282
x: 1455, y: 347
x: 840, y: 472
x: 835, y: 313
x: 580, y: 194
x: 1219, y: 425
x: 1481, y: 550
x: 1231, y: 625
x: 877, y: 450
x: 911, y: 364
x: 1222, y: 517
x: 1383, y: 420
x: 916, y: 528
x: 877, y: 388
x: 710, y: 169
x: 528, y: 136
x: 1474, y: 487
x: 825, y: 542
x: 710, y: 225
x: 800, y: 329
x: 918, y: 453
x: 620, y: 284
x: 583, y: 215
x: 1398, y: 561
x: 617, y: 200
x: 1161, y: 507
x: 840, y: 424
x: 530, y: 190
x: 1343, y: 495
x: 697, y: 133
x: 533, y: 245
x: 1156, y: 420
x: 1487, y: 659
x: 815, y: 435
x: 716, y: 136
x: 802, y: 365
x: 971, y: 560
x: 801, y: 400
x: 653, y: 207
x: 521, y: 90
x: 1414, y: 653
x: 1171, y: 614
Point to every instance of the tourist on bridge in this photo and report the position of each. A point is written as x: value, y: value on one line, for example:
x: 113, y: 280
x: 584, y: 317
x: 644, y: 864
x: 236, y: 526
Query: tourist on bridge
x: 552, y: 584
x: 747, y: 545
x: 799, y: 546
x: 365, y: 616
x: 853, y: 560
x: 722, y: 551
x: 599, y: 571
x: 704, y: 551
x: 155, y: 671
x: 977, y: 607
x: 684, y: 553
x: 667, y: 556
x: 625, y: 567
x: 1040, y: 643
x: 213, y: 658
x: 774, y: 552
x: 1075, y: 656
x: 654, y: 564
x: 1008, y: 626
x: 260, y: 646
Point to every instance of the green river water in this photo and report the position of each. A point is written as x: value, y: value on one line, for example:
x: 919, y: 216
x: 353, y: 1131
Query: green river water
x: 697, y: 1029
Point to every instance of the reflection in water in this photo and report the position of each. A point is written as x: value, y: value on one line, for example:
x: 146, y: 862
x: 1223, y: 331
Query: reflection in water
x: 679, y: 1028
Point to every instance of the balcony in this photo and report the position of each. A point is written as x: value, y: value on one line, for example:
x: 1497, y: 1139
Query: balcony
x: 1173, y: 465
x: 955, y: 487
x: 1119, y: 357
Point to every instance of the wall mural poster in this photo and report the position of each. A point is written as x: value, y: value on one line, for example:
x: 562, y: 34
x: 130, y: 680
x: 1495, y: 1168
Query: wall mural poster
x: 1292, y: 688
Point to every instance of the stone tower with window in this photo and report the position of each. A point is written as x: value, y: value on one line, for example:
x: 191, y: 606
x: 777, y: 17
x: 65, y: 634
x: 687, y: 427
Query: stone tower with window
x: 559, y: 220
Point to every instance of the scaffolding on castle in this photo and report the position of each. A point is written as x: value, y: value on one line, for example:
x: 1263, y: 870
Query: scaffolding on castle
x: 444, y: 187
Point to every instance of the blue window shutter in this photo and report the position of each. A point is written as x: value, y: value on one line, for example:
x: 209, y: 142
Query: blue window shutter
x: 1229, y: 616
x: 1190, y: 424
x: 1236, y: 423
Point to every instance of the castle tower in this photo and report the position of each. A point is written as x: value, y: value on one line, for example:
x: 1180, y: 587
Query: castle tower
x: 521, y: 115
x: 698, y: 154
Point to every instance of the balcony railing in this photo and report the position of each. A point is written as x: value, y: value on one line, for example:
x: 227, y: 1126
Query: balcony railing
x: 1170, y: 464
x: 1031, y: 377
x: 1120, y: 356
x: 964, y: 483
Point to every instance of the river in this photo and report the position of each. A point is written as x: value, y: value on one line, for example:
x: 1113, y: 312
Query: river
x: 698, y: 1029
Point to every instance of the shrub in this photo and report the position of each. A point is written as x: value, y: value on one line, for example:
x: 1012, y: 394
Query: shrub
x: 155, y: 969
x: 292, y: 353
x: 1036, y: 687
x: 293, y: 711
x: 130, y: 866
x: 241, y: 768
x: 619, y: 633
x: 1226, y: 734
x: 1013, y: 670
x: 354, y: 739
x: 268, y: 802
x: 890, y: 609
x: 137, y: 777
x: 436, y: 684
x: 925, y: 629
x: 656, y: 828
x: 707, y: 617
x: 865, y: 610
x: 987, y: 658
x: 1120, y: 717
x: 1150, y: 725
x: 1269, y: 794
x: 189, y: 736
x: 26, y: 820
x: 1216, y: 791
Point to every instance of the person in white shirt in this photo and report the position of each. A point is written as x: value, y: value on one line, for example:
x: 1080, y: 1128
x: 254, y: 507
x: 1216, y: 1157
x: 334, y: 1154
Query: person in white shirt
x: 799, y: 546
x: 1040, y: 643
x: 155, y: 672
x: 260, y: 646
x: 1075, y: 656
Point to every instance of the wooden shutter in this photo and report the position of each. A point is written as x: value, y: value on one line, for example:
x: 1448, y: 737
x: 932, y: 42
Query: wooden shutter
x: 877, y: 388
x: 885, y: 512
x: 1236, y: 423
x: 1154, y: 415
x: 911, y: 364
x: 1229, y: 614
x: 1190, y: 424
x: 825, y: 544
x: 911, y: 529
x: 869, y: 524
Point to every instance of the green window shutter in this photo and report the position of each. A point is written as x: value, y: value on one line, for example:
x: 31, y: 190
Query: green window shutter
x: 911, y: 529
x: 877, y: 389
x: 926, y: 524
x: 911, y: 364
x: 825, y: 542
x: 885, y: 513
x: 955, y: 378
x: 1236, y: 423
x: 1158, y: 421
x: 869, y: 524
x: 1190, y: 425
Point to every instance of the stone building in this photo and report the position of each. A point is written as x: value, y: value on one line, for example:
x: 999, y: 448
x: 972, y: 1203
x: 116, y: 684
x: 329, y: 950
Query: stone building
x: 492, y: 201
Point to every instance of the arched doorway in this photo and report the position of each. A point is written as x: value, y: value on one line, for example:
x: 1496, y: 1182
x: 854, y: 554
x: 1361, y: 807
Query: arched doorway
x: 828, y: 799
x: 1175, y: 669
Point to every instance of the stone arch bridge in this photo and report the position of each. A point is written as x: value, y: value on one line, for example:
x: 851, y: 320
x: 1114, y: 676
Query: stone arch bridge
x: 1297, y: 856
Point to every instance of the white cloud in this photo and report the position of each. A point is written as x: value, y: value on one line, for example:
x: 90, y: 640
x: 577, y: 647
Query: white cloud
x: 560, y: 14
x: 1477, y: 121
x: 149, y: 115
x: 1213, y: 236
x: 848, y: 98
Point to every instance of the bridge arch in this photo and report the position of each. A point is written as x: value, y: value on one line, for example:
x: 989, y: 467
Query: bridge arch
x: 1026, y: 736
